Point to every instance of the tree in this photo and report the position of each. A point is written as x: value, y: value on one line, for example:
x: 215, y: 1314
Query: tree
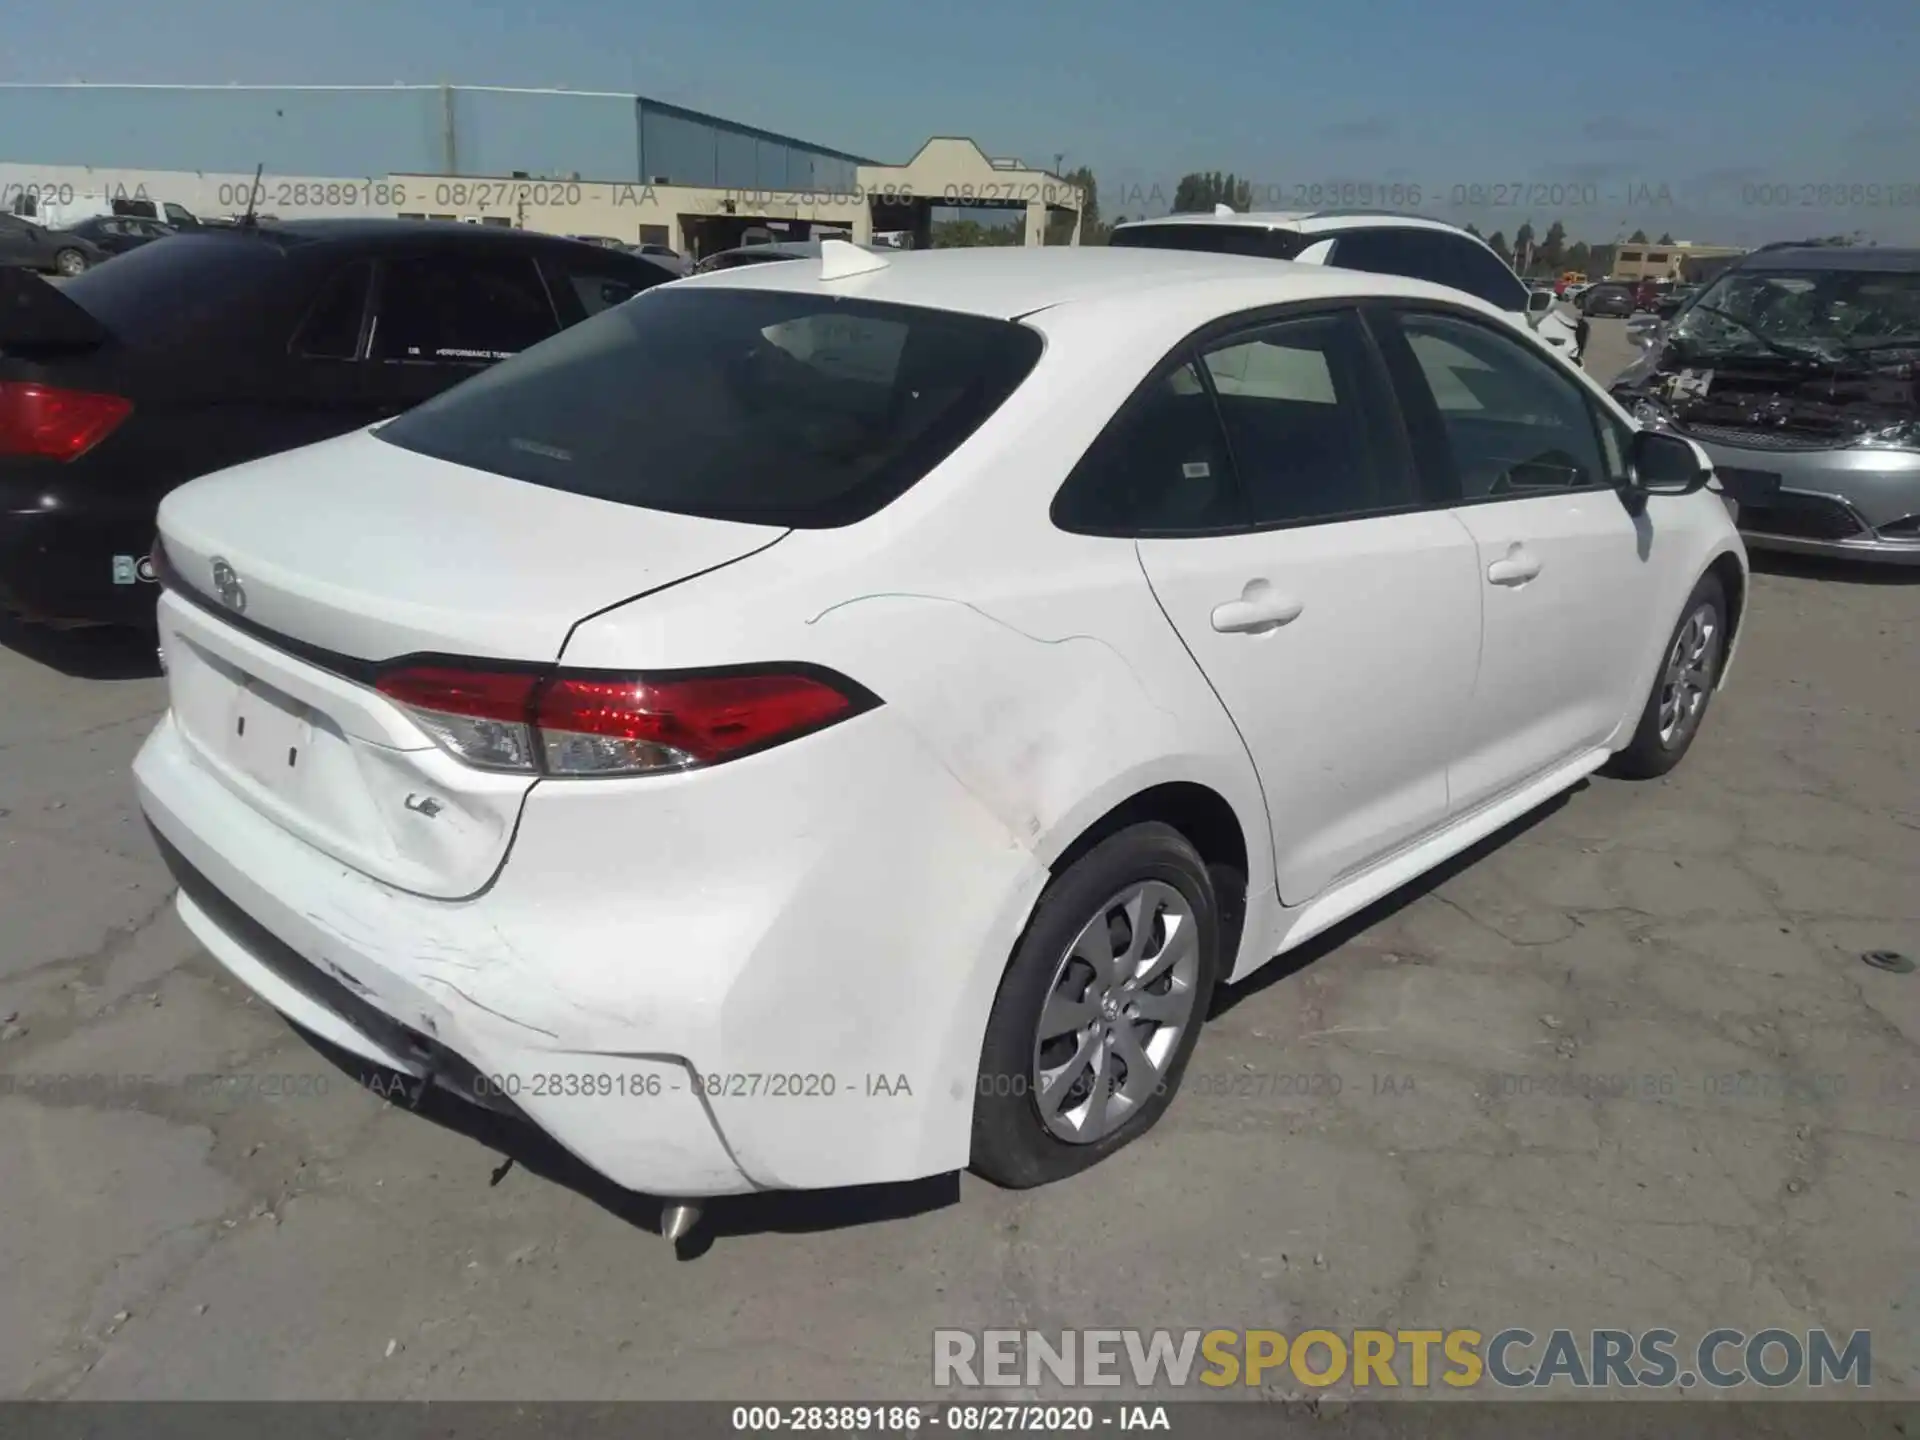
x: 1523, y: 247
x: 1553, y: 248
x: 1474, y: 230
x: 1638, y: 237
x: 1666, y: 238
x: 1580, y: 257
x: 1092, y: 231
x: 1497, y: 242
x: 1199, y: 191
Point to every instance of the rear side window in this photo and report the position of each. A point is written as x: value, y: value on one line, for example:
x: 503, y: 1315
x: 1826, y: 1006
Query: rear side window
x: 763, y: 406
x: 1255, y: 240
x: 460, y: 309
x: 1160, y: 467
x: 157, y: 294
x: 1300, y: 400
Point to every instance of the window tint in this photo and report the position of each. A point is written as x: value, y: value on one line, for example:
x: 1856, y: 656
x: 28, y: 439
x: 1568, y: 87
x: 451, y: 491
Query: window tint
x: 1412, y: 253
x: 1160, y: 466
x: 1482, y: 274
x: 157, y: 294
x: 775, y: 407
x: 1513, y: 423
x: 1298, y: 402
x: 331, y: 330
x: 1255, y: 240
x: 460, y: 309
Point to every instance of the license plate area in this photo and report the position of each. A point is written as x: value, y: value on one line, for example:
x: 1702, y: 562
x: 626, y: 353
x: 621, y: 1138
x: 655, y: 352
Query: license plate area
x: 289, y: 758
x: 270, y: 731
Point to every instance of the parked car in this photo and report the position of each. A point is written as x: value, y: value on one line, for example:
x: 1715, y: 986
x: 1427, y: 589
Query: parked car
x: 663, y: 255
x: 1667, y: 305
x: 760, y: 253
x: 1607, y: 302
x: 227, y: 344
x: 1799, y: 363
x: 919, y: 681
x: 28, y: 246
x: 1648, y: 294
x: 1384, y: 244
x: 117, y: 234
x: 67, y: 214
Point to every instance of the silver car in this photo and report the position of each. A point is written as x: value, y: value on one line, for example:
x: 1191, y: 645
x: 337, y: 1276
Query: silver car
x: 1803, y: 362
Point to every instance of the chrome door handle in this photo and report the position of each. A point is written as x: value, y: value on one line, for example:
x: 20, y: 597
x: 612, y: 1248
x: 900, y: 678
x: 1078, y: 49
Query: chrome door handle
x: 1259, y: 608
x: 1517, y: 569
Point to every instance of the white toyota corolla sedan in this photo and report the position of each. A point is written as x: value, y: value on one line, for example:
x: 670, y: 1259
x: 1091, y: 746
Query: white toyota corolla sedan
x: 840, y: 721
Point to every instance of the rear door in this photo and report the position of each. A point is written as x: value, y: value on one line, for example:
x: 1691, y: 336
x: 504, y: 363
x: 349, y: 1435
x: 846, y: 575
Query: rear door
x: 1329, y: 598
x: 1562, y: 564
x: 443, y: 315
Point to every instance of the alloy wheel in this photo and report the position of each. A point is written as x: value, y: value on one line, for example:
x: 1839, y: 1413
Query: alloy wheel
x: 1688, y: 679
x: 1122, y: 996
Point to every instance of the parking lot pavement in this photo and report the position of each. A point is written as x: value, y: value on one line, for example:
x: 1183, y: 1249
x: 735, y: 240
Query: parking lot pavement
x: 1623, y: 1066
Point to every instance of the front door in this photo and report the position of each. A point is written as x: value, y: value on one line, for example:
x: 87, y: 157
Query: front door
x: 1562, y: 562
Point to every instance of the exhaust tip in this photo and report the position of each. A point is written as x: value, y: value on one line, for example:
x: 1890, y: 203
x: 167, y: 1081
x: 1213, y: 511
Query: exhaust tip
x: 677, y: 1220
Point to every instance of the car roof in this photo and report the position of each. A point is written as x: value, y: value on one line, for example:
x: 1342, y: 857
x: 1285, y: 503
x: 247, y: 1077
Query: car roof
x: 1833, y: 257
x: 363, y: 230
x: 1305, y: 222
x: 1008, y: 282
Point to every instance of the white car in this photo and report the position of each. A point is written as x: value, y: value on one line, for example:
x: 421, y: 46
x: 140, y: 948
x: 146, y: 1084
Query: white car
x: 839, y: 721
x: 1376, y: 241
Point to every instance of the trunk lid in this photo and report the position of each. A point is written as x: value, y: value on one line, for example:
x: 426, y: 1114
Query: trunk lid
x: 374, y: 552
x: 342, y: 555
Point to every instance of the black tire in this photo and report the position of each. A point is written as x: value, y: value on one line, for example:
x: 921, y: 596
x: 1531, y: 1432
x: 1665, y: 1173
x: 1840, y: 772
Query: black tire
x: 1012, y: 1145
x: 69, y: 262
x: 1652, y: 754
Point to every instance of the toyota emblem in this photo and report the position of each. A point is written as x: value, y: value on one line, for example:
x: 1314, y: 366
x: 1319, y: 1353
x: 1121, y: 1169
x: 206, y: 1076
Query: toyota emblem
x: 232, y: 593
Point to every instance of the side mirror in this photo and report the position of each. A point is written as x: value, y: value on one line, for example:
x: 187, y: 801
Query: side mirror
x: 1539, y: 302
x: 1668, y: 465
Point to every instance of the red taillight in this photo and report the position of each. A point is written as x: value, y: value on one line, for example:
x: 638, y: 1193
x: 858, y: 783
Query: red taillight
x: 54, y: 424
x: 588, y: 724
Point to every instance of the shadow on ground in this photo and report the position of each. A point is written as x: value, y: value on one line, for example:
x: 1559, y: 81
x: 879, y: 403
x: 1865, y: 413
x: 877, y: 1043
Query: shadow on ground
x: 522, y: 1144
x: 1832, y: 571
x: 100, y: 652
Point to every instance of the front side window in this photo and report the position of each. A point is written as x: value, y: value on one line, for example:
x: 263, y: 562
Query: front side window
x: 1513, y: 425
x: 461, y: 310
x: 764, y: 406
x: 1299, y: 403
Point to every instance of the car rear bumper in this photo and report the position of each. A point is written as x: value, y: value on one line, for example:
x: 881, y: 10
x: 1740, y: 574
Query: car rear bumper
x: 808, y: 1016
x: 59, y: 566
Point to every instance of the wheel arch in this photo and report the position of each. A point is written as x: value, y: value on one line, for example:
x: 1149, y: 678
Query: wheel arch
x: 1211, y: 825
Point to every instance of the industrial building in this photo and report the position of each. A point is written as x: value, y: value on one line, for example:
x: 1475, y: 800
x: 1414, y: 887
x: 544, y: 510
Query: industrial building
x: 621, y: 166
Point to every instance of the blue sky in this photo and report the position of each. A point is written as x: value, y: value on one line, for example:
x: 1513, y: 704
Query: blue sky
x: 1705, y: 97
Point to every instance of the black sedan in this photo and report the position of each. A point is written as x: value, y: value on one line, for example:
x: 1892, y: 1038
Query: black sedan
x: 27, y: 246
x: 117, y: 234
x: 221, y: 346
x: 1607, y: 300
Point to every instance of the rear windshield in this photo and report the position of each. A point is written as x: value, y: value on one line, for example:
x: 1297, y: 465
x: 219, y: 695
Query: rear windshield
x: 1255, y: 240
x: 171, y: 287
x: 763, y: 406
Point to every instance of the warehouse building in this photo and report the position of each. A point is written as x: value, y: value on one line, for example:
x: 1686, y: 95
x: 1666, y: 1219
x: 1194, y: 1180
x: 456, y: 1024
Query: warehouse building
x: 619, y: 166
